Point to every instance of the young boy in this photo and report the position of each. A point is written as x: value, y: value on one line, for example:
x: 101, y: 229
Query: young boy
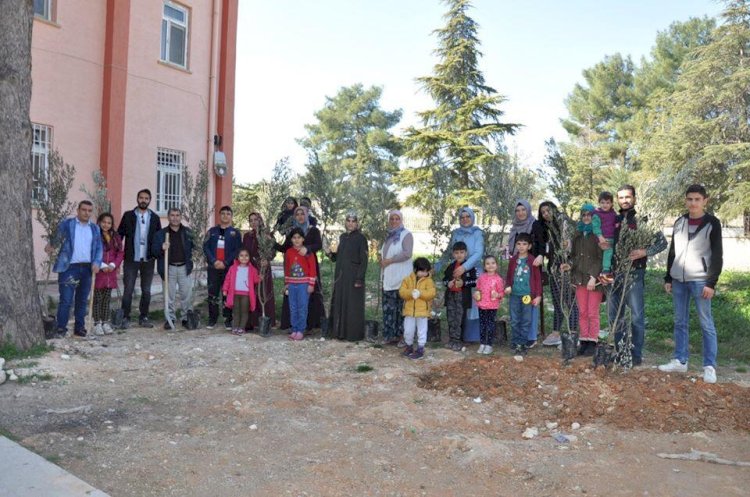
x: 457, y: 294
x: 604, y: 221
x: 693, y: 267
x: 299, y: 279
x: 525, y: 292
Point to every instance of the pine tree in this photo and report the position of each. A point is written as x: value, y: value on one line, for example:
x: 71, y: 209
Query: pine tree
x: 464, y: 129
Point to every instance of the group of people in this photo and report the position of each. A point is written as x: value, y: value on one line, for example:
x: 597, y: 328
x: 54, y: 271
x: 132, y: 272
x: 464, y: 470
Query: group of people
x: 580, y: 270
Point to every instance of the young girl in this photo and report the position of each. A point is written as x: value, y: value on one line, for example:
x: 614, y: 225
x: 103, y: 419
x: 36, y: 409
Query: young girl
x: 489, y: 293
x: 106, y: 278
x: 417, y: 291
x: 239, y: 289
x: 585, y: 267
x: 300, y: 273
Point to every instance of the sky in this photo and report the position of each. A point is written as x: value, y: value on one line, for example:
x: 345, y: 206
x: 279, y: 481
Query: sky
x: 291, y: 54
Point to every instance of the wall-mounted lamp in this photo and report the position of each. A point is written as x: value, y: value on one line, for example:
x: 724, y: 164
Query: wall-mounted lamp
x: 220, y: 164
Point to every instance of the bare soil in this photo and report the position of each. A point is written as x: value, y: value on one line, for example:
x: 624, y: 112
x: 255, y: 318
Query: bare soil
x: 205, y: 413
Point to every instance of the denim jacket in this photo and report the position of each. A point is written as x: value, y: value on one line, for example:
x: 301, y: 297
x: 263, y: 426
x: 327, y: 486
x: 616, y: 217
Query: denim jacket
x: 65, y: 238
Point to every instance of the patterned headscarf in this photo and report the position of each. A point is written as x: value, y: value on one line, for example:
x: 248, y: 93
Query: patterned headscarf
x: 395, y: 233
x: 520, y: 226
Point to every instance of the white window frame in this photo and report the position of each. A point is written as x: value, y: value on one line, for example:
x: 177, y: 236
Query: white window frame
x: 169, y: 167
x: 41, y: 146
x: 47, y: 15
x: 167, y: 24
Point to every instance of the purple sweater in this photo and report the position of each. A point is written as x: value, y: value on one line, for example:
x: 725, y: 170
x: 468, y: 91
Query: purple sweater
x: 607, y: 219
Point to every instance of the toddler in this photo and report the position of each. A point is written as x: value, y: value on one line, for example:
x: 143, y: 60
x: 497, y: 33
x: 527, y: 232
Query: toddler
x: 489, y: 293
x: 239, y: 290
x: 417, y: 291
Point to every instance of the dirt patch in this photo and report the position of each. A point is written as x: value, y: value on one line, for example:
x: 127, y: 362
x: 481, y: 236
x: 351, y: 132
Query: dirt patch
x: 641, y: 398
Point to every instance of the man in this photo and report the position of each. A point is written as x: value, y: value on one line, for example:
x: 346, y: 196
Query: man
x: 178, y: 240
x: 138, y: 228
x: 693, y: 267
x: 632, y: 296
x: 80, y: 255
x: 220, y: 246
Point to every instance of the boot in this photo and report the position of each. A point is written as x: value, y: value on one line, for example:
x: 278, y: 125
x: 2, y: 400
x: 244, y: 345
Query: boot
x: 408, y: 351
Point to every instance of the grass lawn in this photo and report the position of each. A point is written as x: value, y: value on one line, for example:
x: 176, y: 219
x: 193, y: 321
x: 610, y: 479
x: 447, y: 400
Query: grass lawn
x: 731, y: 310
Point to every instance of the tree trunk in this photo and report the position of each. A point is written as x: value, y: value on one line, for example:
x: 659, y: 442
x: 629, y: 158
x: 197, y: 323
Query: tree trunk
x: 20, y: 312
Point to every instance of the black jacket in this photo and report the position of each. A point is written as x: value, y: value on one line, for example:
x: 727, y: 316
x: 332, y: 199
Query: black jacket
x: 127, y: 231
x: 158, y: 253
x: 470, y: 281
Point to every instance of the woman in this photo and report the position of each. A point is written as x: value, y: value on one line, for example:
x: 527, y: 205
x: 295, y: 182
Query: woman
x: 266, y: 299
x: 396, y: 265
x: 287, y: 211
x: 473, y: 237
x: 547, y: 235
x: 313, y: 243
x: 523, y: 221
x: 348, y: 300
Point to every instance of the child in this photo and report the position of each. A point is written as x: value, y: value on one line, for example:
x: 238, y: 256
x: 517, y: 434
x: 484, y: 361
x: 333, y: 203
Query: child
x: 603, y: 222
x: 586, y: 263
x: 417, y: 291
x: 525, y: 292
x: 299, y: 280
x: 113, y: 252
x: 489, y: 293
x: 457, y: 294
x: 239, y: 290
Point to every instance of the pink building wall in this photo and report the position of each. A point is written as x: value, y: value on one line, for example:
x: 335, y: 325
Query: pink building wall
x: 148, y: 103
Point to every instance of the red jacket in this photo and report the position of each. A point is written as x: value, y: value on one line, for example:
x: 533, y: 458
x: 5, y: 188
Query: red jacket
x: 252, y: 276
x: 111, y: 252
x: 536, y: 275
x: 299, y: 268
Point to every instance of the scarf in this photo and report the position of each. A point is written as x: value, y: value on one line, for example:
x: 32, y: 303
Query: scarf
x: 466, y: 230
x: 520, y: 226
x: 305, y: 227
x: 395, y: 233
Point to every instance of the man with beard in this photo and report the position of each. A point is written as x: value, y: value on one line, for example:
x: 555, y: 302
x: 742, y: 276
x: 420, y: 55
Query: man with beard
x: 138, y: 228
x: 79, y: 258
x: 632, y: 296
x: 220, y: 246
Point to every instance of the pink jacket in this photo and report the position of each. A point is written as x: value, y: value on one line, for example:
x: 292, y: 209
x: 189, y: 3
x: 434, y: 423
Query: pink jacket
x: 486, y: 283
x: 112, y: 252
x: 252, y: 274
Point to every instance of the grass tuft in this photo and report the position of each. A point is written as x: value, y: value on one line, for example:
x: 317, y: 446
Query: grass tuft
x: 364, y: 368
x: 9, y: 352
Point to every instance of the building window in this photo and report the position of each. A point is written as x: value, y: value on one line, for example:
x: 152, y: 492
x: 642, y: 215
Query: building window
x: 169, y: 166
x: 174, y: 34
x: 40, y: 149
x: 43, y: 9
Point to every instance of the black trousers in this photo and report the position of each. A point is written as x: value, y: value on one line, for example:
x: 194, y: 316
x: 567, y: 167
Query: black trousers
x: 215, y: 298
x: 130, y: 271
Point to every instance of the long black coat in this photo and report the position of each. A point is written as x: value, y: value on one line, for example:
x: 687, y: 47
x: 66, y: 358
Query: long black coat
x: 348, y: 300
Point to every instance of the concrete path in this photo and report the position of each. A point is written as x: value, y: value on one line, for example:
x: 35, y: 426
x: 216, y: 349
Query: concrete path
x: 25, y: 474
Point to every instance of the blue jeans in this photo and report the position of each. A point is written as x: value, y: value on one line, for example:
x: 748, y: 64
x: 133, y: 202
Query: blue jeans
x: 633, y: 300
x: 298, y: 301
x: 520, y: 320
x: 74, y: 284
x: 681, y: 295
x: 534, y: 326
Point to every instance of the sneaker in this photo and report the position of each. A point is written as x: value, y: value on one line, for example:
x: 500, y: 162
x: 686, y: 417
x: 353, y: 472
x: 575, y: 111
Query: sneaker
x: 675, y: 366
x: 61, y: 333
x: 227, y: 324
x: 145, y: 322
x: 408, y: 351
x: 531, y: 344
x: 299, y: 336
x: 98, y: 329
x: 211, y: 324
x: 417, y: 354
x: 184, y: 323
x: 167, y: 326
x: 481, y: 349
x: 80, y: 333
x: 107, y: 329
x: 487, y: 350
x: 519, y: 350
x: 582, y: 348
x: 125, y: 323
x: 552, y: 340
x: 401, y: 344
x: 709, y: 374
x: 457, y: 346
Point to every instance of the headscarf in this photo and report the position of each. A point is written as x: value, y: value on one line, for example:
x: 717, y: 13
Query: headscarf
x: 259, y: 216
x: 467, y: 230
x: 305, y: 227
x: 353, y: 215
x: 395, y: 233
x: 286, y: 201
x: 520, y: 226
x: 583, y: 227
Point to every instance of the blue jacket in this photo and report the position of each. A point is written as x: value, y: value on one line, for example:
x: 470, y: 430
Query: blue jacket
x: 65, y: 238
x: 158, y: 253
x: 232, y: 245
